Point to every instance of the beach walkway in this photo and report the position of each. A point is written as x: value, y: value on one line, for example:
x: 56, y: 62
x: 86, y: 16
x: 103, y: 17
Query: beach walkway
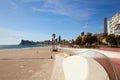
x: 112, y: 55
x: 58, y: 73
x: 110, y: 49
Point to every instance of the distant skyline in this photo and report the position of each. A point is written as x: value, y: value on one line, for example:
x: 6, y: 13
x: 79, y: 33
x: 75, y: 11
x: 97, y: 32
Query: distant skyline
x: 37, y: 20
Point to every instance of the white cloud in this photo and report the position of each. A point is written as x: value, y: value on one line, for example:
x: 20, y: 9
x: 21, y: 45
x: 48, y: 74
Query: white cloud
x: 49, y: 11
x: 9, y: 4
x: 14, y: 5
x: 12, y: 32
x: 62, y: 7
x: 52, y: 6
x: 10, y: 36
x: 74, y: 8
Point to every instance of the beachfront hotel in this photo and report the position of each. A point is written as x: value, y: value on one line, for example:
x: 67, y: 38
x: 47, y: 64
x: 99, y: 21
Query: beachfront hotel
x: 114, y: 24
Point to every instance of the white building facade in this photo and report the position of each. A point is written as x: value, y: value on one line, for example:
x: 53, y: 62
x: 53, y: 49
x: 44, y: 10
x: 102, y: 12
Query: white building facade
x: 114, y: 24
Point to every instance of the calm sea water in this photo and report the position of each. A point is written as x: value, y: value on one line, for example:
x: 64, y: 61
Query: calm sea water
x: 4, y: 47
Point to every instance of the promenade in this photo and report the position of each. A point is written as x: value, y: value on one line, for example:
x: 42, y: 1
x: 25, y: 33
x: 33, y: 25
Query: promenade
x: 112, y: 54
x: 110, y: 49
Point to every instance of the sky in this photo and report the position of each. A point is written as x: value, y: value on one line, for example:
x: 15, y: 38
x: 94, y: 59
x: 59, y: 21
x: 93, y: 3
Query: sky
x: 37, y: 20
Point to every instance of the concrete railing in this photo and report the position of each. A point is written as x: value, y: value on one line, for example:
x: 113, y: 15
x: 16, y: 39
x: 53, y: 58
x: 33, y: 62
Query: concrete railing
x: 81, y: 68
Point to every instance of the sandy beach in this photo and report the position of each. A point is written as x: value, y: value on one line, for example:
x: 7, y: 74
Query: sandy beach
x: 26, y: 64
x: 36, y: 63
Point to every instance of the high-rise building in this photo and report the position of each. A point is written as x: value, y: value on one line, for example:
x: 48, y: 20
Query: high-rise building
x: 59, y: 39
x: 114, y: 24
x: 105, y: 25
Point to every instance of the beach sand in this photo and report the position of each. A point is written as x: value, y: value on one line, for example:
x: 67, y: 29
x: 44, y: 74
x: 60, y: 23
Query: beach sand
x: 26, y: 64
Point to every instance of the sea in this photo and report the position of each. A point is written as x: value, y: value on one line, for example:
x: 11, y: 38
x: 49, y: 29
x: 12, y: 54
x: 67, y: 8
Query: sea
x: 7, y: 47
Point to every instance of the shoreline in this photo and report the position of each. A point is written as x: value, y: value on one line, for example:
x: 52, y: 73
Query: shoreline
x: 24, y: 48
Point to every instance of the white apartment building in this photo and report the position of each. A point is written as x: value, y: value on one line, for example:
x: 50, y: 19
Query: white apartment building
x: 114, y: 24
